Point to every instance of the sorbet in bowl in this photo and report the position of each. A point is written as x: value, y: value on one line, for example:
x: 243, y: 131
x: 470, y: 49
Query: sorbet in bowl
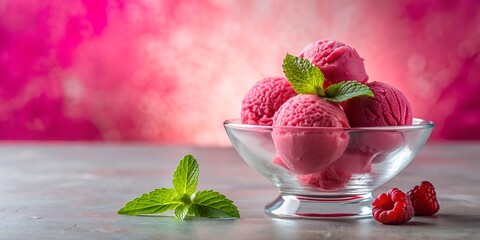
x: 339, y: 186
x: 324, y: 135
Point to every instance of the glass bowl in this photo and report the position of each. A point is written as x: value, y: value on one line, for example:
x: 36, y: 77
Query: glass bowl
x: 326, y: 172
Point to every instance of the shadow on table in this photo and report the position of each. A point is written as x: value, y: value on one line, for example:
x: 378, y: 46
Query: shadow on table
x: 457, y: 218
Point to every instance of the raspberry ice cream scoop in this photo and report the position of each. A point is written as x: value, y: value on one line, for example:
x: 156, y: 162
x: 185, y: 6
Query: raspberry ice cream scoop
x: 367, y: 148
x: 318, y: 138
x: 355, y: 160
x: 337, y: 61
x: 264, y: 99
x: 329, y: 179
x: 388, y: 107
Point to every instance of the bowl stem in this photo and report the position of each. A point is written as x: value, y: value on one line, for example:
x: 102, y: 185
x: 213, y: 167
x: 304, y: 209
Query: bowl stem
x: 321, y: 207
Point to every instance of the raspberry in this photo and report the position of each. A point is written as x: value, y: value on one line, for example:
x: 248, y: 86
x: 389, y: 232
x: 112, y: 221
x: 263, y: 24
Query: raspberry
x: 424, y: 199
x: 393, y: 207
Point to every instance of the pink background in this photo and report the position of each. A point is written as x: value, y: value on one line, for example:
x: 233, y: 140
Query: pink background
x: 171, y: 71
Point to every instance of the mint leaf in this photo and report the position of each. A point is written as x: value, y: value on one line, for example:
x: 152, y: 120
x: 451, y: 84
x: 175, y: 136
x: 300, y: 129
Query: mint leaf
x: 185, y: 178
x: 181, y: 211
x: 212, y: 204
x: 304, y: 77
x: 157, y: 201
x: 345, y: 90
x: 307, y: 78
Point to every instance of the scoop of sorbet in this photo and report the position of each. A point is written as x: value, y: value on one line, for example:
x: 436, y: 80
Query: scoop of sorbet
x: 319, y: 141
x: 338, y: 61
x: 388, y: 107
x: 264, y: 99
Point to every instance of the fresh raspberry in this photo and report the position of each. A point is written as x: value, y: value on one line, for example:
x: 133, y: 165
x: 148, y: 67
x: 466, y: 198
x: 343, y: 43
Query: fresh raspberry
x: 393, y: 207
x: 424, y: 199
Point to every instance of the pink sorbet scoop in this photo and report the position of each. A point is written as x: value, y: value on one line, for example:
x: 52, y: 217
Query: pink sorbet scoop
x: 310, y: 149
x: 264, y: 99
x: 337, y: 61
x: 388, y: 107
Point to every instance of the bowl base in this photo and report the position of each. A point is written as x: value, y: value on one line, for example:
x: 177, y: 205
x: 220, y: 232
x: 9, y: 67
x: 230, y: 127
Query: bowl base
x: 321, y: 207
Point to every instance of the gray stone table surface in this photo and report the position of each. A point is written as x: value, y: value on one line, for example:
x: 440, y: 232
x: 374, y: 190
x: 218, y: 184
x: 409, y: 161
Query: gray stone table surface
x: 72, y: 191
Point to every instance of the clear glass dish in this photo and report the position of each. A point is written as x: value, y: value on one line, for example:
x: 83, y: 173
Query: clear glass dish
x: 326, y: 172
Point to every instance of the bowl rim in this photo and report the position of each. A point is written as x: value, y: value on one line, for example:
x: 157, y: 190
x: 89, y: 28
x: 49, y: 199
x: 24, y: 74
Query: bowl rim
x: 418, y: 123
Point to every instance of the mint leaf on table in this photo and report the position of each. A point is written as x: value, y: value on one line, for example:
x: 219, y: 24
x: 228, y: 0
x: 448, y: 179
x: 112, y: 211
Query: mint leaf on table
x: 181, y: 211
x: 206, y: 203
x: 307, y: 78
x: 157, y: 201
x: 185, y: 178
x: 304, y: 77
x: 345, y: 90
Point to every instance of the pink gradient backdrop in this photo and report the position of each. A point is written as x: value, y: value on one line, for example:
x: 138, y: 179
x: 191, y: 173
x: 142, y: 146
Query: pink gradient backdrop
x: 171, y: 71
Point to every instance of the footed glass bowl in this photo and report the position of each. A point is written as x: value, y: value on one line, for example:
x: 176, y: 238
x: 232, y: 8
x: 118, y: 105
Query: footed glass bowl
x: 326, y: 172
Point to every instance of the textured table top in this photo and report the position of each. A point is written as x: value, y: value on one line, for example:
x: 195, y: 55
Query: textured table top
x: 72, y: 191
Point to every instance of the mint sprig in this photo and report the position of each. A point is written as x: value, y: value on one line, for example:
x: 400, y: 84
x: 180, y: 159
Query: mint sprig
x: 307, y: 78
x: 345, y: 90
x: 304, y: 77
x: 210, y: 203
x: 157, y: 201
x: 185, y: 177
x: 205, y: 203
